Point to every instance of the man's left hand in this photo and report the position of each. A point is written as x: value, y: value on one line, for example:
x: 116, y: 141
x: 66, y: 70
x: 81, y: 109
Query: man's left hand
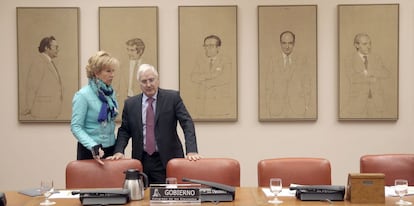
x: 192, y: 156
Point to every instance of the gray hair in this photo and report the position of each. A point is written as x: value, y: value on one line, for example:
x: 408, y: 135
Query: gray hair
x: 146, y: 67
x: 358, y: 37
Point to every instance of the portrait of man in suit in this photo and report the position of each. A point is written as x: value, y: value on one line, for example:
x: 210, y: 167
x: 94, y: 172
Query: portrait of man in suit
x: 135, y: 49
x: 365, y: 74
x: 208, y: 61
x: 48, y: 63
x: 287, y: 63
x: 368, y: 62
x: 44, y: 88
x: 210, y: 74
x: 288, y: 83
x: 133, y: 42
x: 125, y: 81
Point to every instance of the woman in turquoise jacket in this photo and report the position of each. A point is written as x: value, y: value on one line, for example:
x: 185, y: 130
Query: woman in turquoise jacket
x: 94, y: 109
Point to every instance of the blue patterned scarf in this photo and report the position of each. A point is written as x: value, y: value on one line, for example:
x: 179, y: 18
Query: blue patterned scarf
x: 109, y: 108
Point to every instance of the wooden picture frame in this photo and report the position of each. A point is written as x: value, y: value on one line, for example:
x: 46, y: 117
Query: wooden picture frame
x: 130, y: 34
x: 48, y: 62
x: 208, y: 61
x: 287, y: 37
x: 368, y: 91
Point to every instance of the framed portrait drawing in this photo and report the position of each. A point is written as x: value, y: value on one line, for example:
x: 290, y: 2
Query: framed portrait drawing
x: 368, y: 61
x: 287, y: 37
x: 48, y: 62
x: 208, y: 61
x: 131, y: 35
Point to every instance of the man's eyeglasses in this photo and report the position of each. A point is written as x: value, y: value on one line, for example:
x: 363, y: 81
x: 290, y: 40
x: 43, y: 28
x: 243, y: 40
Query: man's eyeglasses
x: 146, y: 81
x: 131, y: 50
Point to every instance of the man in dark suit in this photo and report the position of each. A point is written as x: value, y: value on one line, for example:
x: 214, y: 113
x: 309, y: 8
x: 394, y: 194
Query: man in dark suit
x: 168, y: 108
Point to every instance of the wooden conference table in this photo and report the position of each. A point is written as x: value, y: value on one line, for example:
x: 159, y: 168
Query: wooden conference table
x: 245, y: 196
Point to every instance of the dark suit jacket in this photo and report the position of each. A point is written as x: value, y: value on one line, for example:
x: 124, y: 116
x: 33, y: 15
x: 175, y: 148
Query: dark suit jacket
x: 169, y: 109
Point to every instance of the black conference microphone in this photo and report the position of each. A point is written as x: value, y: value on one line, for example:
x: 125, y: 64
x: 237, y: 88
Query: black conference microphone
x: 217, y: 193
x: 214, y: 185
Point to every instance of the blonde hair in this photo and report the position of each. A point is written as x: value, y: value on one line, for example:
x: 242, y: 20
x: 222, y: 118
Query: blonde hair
x: 100, y: 61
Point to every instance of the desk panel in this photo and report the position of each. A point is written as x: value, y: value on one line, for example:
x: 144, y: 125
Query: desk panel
x: 245, y: 196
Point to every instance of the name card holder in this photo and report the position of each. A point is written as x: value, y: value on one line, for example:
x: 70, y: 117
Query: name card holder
x: 366, y: 188
x: 177, y: 194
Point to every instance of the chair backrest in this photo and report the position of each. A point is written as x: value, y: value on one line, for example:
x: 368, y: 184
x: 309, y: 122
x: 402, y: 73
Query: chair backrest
x: 90, y: 174
x: 393, y: 166
x: 221, y: 170
x: 296, y: 170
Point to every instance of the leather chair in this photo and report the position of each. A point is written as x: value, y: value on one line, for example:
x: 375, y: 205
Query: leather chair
x: 393, y: 166
x: 221, y: 170
x: 296, y: 170
x: 90, y: 174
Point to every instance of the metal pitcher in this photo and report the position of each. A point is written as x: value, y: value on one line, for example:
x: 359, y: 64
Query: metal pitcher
x: 136, y: 182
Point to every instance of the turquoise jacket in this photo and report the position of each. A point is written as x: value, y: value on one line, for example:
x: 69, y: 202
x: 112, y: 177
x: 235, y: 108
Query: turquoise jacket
x: 85, y: 126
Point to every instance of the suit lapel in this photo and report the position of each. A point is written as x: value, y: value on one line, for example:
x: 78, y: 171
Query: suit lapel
x: 138, y: 111
x: 160, y: 104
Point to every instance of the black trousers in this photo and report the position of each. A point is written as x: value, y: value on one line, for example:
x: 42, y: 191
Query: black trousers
x: 153, y: 168
x: 84, y: 153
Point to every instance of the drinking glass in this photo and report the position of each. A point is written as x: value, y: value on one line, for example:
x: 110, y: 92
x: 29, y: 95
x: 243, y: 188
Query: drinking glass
x: 275, y: 188
x: 46, y: 188
x: 401, y: 189
x: 171, y: 182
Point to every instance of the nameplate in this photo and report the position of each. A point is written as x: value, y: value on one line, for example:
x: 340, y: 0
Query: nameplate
x: 188, y: 194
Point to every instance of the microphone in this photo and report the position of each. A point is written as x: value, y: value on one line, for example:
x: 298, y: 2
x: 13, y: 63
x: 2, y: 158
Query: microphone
x: 214, y: 185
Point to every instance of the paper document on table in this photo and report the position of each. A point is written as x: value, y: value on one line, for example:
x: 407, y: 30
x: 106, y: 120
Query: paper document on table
x: 33, y: 192
x: 286, y: 192
x: 63, y: 194
x: 390, y: 192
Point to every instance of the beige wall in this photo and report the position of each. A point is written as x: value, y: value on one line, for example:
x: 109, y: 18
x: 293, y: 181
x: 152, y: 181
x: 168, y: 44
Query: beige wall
x: 29, y: 152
